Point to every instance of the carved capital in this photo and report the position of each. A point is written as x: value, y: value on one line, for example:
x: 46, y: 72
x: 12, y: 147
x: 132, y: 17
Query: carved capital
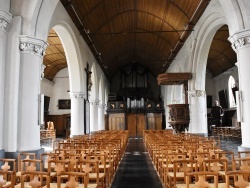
x: 240, y: 39
x: 102, y: 106
x: 32, y: 45
x: 5, y: 19
x: 81, y: 95
x: 197, y: 93
x: 94, y: 102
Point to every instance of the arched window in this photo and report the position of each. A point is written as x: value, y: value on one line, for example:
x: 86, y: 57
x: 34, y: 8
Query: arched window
x: 232, y: 88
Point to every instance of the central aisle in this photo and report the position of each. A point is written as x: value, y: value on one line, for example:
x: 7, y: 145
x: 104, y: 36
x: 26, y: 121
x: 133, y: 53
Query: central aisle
x: 136, y: 169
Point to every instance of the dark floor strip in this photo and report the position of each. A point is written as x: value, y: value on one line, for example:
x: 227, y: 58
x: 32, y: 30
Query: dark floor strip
x: 136, y: 169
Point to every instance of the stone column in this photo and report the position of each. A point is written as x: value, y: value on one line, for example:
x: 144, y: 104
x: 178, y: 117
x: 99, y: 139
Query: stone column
x: 94, y: 115
x: 241, y: 45
x: 77, y: 113
x: 198, y: 113
x: 12, y: 75
x: 5, y: 19
x: 101, y: 122
x: 32, y: 51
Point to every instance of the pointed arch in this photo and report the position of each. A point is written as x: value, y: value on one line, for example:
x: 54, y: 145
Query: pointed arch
x: 101, y: 91
x: 71, y: 48
x: 201, y: 48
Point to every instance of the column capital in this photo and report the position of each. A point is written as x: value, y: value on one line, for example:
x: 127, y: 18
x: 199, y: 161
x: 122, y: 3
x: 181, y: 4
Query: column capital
x: 102, y: 106
x: 196, y: 93
x: 94, y: 102
x: 5, y: 19
x: 240, y: 39
x: 78, y: 95
x: 32, y: 45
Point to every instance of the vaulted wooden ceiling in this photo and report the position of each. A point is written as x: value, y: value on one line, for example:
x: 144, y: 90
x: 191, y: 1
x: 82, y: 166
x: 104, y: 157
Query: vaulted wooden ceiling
x: 145, y: 32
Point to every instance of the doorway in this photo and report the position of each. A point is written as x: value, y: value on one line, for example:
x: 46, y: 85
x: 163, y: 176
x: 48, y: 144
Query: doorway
x: 136, y: 124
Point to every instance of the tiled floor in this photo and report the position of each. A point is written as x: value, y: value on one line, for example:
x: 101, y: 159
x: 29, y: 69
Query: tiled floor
x: 136, y: 169
x: 230, y: 144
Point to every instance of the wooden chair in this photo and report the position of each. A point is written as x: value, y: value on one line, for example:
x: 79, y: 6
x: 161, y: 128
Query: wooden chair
x: 101, y: 159
x: 7, y: 169
x: 29, y: 165
x: 219, y: 166
x: 229, y: 155
x: 45, y: 157
x: 91, y: 168
x: 201, y: 180
x: 181, y: 167
x: 7, y: 178
x: 75, y: 180
x: 33, y: 179
x: 168, y: 166
x: 241, y: 164
x: 241, y: 178
x: 55, y: 168
x: 200, y: 157
x: 20, y: 158
x: 243, y: 154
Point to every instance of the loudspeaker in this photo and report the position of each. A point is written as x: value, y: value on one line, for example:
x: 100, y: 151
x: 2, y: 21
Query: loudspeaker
x: 41, y: 109
x: 238, y: 95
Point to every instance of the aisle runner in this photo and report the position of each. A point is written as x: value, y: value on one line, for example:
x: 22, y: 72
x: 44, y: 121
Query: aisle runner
x: 136, y: 169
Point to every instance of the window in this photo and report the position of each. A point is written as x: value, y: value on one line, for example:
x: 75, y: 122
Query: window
x: 231, y: 89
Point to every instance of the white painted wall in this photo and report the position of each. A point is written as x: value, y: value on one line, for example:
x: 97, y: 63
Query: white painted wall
x: 46, y: 87
x: 58, y: 91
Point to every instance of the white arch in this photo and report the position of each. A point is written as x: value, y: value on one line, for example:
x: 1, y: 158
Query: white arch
x: 204, y: 38
x: 94, y: 101
x: 106, y: 98
x: 101, y: 123
x: 233, y: 14
x: 101, y: 91
x: 76, y: 73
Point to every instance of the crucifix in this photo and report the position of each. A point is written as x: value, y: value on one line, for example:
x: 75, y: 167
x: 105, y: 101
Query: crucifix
x: 88, y: 80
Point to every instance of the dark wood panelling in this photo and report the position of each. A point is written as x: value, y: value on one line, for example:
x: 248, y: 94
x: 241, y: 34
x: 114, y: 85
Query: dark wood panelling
x: 131, y: 124
x: 60, y: 123
x: 154, y: 121
x: 117, y: 121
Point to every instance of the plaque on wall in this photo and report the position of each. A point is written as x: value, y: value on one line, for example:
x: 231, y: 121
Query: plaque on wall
x: 64, y: 104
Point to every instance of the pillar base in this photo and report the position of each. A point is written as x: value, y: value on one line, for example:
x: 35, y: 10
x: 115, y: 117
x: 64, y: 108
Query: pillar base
x: 241, y: 148
x: 14, y: 155
x: 2, y: 153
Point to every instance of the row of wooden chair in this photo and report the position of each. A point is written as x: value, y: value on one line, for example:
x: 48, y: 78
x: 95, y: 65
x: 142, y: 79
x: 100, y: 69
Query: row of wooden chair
x: 185, y: 159
x: 91, y: 160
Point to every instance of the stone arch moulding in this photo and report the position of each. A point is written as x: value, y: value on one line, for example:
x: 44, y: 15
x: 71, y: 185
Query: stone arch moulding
x: 73, y: 60
x: 204, y: 38
x: 101, y: 91
x: 233, y: 14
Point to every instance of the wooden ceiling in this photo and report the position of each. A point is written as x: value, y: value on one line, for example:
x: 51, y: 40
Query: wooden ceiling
x: 144, y: 32
x: 54, y: 58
